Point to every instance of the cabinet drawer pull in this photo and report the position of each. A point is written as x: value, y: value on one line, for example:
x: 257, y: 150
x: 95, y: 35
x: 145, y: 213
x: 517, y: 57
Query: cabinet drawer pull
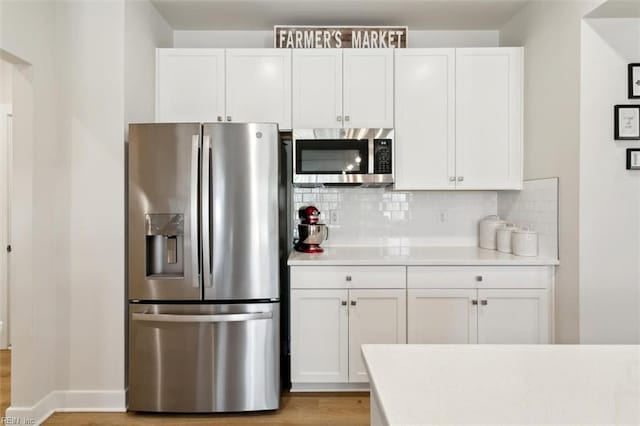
x: 347, y: 118
x: 452, y: 178
x: 220, y: 118
x: 479, y: 278
x: 484, y: 302
x: 228, y: 118
x: 460, y: 178
x: 343, y: 303
x: 474, y: 302
x: 353, y: 303
x: 339, y: 118
x: 348, y: 278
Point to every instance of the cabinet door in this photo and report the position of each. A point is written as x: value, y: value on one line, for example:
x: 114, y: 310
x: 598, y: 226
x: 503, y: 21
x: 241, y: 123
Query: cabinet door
x: 189, y: 85
x: 375, y: 316
x: 425, y: 119
x: 442, y: 316
x: 317, y: 88
x: 513, y: 316
x: 489, y: 118
x: 259, y: 86
x: 319, y: 327
x: 368, y: 87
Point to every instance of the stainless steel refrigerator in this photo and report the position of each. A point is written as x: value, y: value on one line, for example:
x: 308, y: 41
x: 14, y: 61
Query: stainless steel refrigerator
x: 203, y: 267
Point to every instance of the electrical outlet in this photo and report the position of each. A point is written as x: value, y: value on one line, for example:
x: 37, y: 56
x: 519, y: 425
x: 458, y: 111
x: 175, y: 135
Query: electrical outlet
x: 334, y: 216
x: 443, y: 216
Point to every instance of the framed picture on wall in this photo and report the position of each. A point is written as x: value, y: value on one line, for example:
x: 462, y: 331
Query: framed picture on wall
x: 634, y: 81
x: 626, y: 124
x: 633, y: 159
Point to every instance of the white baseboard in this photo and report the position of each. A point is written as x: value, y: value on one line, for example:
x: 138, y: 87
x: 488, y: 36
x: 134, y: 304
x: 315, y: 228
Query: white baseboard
x: 69, y: 401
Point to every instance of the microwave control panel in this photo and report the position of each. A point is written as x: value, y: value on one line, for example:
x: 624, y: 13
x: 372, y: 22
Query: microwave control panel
x: 382, y: 156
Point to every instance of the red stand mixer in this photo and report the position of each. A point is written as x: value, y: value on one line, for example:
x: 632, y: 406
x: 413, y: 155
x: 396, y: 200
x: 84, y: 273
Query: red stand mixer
x: 310, y: 232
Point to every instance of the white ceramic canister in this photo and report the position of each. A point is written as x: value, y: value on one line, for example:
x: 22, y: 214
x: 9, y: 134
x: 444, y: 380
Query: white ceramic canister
x: 487, y: 231
x: 524, y: 242
x: 503, y: 237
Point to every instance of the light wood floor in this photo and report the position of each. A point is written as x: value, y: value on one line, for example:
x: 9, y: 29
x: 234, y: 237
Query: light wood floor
x: 296, y: 409
x: 5, y: 380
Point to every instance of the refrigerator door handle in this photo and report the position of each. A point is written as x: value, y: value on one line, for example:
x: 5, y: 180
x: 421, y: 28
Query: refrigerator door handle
x: 205, y: 213
x: 203, y: 318
x: 195, y: 254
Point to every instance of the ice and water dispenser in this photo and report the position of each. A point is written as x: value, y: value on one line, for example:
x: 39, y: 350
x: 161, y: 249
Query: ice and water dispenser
x: 165, y: 245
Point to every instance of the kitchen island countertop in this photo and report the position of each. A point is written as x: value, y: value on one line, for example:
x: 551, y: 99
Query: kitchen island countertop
x: 415, y: 256
x: 503, y: 384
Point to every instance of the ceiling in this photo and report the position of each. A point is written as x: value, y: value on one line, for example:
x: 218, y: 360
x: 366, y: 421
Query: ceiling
x: 264, y: 14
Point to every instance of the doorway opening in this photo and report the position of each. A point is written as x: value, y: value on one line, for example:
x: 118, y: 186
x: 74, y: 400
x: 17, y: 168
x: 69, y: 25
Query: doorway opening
x: 6, y: 121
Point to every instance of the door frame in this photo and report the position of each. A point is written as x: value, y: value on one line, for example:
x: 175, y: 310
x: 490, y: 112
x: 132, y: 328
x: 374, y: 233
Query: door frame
x: 6, y: 149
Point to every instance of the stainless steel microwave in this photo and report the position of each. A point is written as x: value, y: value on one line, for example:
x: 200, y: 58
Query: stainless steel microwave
x: 357, y: 157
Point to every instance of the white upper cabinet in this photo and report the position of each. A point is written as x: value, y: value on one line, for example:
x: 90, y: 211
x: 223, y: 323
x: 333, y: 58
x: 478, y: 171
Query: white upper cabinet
x: 458, y: 115
x: 342, y: 88
x: 259, y: 86
x: 190, y: 85
x: 425, y: 119
x: 489, y: 118
x: 368, y: 88
x: 317, y: 88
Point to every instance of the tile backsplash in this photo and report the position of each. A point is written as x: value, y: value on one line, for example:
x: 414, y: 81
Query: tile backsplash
x: 382, y: 217
x: 535, y: 207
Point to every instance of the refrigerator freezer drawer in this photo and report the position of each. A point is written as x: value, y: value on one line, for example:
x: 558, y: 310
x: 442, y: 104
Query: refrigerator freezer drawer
x: 204, y: 357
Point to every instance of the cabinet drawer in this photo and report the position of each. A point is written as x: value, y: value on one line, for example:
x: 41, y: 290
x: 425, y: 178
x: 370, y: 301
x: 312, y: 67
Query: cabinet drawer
x: 478, y: 277
x: 348, y: 277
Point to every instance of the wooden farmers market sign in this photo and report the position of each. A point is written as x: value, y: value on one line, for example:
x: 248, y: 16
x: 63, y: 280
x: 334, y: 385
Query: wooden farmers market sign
x: 303, y: 37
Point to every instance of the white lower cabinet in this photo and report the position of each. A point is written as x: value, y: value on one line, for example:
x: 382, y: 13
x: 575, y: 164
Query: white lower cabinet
x: 442, y: 316
x: 500, y: 305
x: 330, y: 325
x: 375, y: 316
x: 337, y: 309
x: 319, y: 336
x: 513, y: 316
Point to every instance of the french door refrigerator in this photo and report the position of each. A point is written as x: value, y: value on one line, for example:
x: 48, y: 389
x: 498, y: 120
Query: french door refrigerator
x: 203, y: 271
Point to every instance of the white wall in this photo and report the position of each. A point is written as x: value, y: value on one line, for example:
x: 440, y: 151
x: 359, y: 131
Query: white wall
x: 40, y: 260
x: 68, y: 261
x: 609, y: 194
x: 145, y: 29
x: 550, y: 33
x: 91, y: 118
x: 258, y: 39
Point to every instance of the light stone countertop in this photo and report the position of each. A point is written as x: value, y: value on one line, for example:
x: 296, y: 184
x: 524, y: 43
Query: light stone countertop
x: 504, y: 384
x: 427, y: 256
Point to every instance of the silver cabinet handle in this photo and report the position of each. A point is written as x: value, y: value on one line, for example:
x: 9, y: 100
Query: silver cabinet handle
x: 220, y: 118
x: 474, y: 302
x: 460, y: 178
x: 347, y: 118
x: 228, y: 118
x: 339, y: 118
x: 353, y: 303
x: 479, y: 278
x: 483, y: 302
x: 195, y: 259
x: 343, y: 303
x: 452, y: 178
x: 348, y: 277
x: 205, y: 214
x: 202, y: 318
